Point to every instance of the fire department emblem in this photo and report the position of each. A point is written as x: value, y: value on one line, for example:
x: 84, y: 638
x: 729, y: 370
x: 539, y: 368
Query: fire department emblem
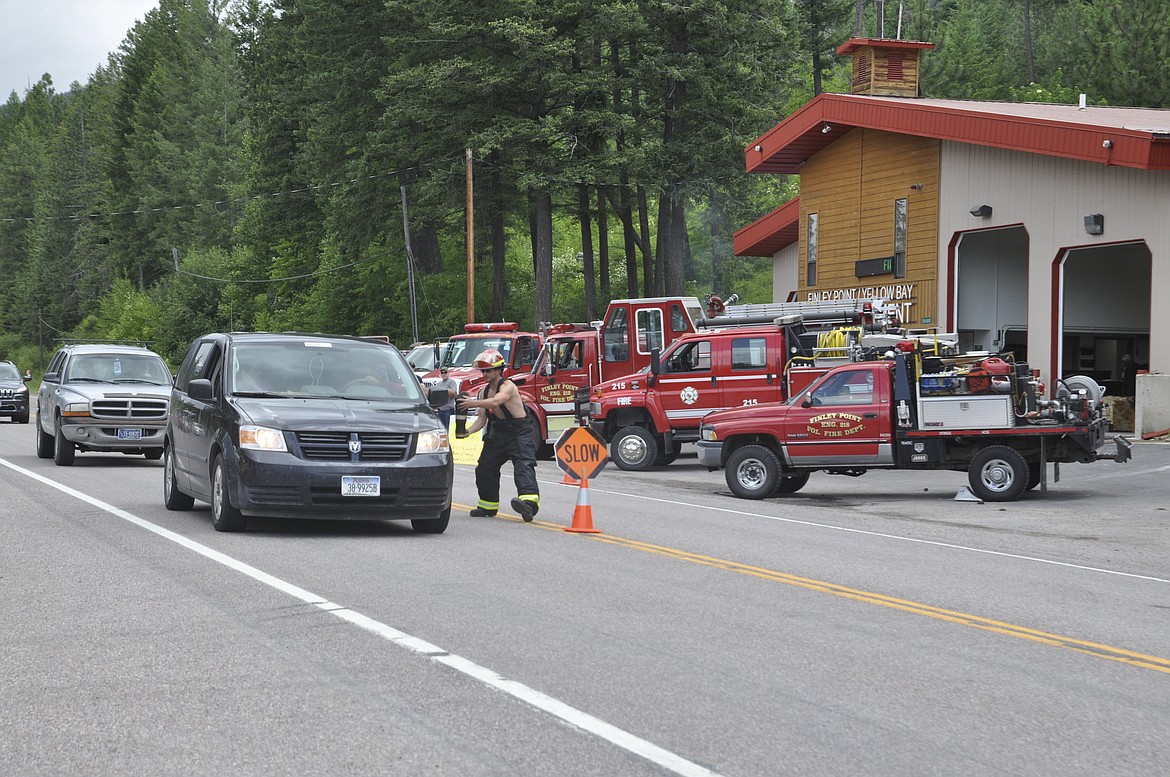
x: 689, y: 395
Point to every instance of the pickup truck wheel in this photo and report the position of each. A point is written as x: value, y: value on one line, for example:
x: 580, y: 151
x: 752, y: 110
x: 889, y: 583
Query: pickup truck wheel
x: 224, y: 517
x: 63, y: 450
x: 998, y: 474
x: 1034, y: 473
x: 753, y: 472
x: 44, y: 441
x: 633, y: 449
x: 432, y: 525
x: 790, y: 484
x: 173, y: 498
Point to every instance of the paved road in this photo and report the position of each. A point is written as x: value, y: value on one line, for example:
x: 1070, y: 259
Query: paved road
x: 863, y: 626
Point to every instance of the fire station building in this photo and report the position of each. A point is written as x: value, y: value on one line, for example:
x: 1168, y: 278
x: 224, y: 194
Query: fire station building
x: 1036, y: 228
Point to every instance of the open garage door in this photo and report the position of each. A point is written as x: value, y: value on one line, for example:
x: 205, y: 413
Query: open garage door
x: 1105, y: 314
x: 992, y: 291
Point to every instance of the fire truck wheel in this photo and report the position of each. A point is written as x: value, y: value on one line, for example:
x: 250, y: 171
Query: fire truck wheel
x: 790, y: 484
x: 633, y: 449
x: 998, y: 474
x: 753, y: 472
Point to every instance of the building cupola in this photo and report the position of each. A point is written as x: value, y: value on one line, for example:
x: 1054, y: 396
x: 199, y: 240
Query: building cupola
x: 884, y: 68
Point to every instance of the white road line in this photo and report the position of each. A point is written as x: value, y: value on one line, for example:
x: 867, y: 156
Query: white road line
x: 897, y: 537
x: 558, y: 709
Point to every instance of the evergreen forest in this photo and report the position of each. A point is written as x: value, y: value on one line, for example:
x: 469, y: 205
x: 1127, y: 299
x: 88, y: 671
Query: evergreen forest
x: 304, y: 164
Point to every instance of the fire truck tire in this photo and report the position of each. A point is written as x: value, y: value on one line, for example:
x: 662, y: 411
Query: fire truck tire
x: 633, y: 449
x: 790, y: 484
x: 753, y: 472
x: 998, y: 474
x: 663, y: 458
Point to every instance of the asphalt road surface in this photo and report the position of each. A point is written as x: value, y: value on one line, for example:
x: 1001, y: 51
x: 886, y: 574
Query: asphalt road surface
x: 867, y: 625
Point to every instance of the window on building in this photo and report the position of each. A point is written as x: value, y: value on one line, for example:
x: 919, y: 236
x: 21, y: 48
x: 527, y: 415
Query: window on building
x: 900, y: 238
x: 811, y: 246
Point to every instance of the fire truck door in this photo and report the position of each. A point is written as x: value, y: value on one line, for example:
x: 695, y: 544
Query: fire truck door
x: 687, y: 386
x: 843, y: 424
x: 749, y: 375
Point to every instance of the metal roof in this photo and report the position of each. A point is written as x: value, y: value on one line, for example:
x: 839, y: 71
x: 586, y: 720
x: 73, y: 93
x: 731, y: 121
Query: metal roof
x: 1128, y: 137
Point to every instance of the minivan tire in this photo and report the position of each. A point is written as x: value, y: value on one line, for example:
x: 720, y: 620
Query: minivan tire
x: 224, y: 517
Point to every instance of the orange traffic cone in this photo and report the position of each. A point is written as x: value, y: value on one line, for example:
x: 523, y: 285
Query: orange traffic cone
x: 569, y: 480
x: 583, y: 514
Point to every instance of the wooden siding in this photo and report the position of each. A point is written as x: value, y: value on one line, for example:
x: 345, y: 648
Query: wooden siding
x: 852, y: 186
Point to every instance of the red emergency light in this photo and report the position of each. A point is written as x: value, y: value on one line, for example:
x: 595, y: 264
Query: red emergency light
x: 499, y: 326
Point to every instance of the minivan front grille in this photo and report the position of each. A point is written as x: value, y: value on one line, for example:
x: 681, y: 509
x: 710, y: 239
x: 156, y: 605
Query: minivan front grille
x: 339, y: 446
x: 129, y: 408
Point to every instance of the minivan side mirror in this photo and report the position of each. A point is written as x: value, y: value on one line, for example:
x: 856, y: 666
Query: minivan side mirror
x: 437, y: 397
x: 200, y: 389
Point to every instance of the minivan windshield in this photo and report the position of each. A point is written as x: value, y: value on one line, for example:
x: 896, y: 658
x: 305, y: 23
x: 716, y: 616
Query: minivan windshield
x: 322, y: 368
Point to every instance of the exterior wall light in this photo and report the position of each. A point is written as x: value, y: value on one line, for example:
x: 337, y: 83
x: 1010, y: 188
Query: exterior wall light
x: 1095, y: 224
x: 981, y: 212
x: 826, y: 129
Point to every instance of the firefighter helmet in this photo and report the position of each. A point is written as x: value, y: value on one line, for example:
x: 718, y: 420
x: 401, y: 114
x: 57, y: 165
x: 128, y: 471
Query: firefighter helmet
x: 491, y: 359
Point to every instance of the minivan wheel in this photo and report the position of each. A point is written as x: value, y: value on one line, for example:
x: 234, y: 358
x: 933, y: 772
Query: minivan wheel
x: 173, y: 498
x: 432, y: 525
x: 63, y: 450
x: 224, y: 517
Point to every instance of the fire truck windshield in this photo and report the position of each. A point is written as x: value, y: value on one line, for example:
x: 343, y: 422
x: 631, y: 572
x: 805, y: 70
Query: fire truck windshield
x: 462, y: 352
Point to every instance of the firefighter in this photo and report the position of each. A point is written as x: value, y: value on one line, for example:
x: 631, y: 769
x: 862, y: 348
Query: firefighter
x: 510, y: 435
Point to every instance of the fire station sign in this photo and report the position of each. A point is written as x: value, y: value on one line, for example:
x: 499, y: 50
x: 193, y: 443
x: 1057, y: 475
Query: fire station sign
x: 581, y: 452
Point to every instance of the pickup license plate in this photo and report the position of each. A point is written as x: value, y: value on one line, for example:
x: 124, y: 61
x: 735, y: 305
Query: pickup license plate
x: 129, y: 434
x: 361, y: 485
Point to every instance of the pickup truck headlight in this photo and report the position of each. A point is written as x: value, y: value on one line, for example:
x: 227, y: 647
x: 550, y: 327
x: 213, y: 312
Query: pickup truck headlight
x: 259, y: 438
x: 433, y: 442
x: 74, y: 409
x: 707, y: 434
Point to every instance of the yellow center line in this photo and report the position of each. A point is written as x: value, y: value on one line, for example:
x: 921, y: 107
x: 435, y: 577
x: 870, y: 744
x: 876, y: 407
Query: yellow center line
x: 1095, y: 649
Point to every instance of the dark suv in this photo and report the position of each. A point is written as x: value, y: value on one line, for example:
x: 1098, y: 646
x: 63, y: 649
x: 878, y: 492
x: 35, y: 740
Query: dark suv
x: 305, y: 426
x: 13, y: 393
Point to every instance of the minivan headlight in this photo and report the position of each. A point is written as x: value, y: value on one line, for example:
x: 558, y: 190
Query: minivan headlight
x: 259, y: 438
x: 433, y: 442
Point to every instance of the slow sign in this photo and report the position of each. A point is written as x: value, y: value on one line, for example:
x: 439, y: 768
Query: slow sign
x: 581, y: 452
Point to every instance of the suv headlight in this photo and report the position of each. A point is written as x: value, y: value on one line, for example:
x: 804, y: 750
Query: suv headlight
x: 75, y: 409
x: 259, y: 438
x: 433, y: 442
x: 707, y: 434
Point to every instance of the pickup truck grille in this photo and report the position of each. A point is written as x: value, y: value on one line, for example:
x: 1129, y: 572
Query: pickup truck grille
x: 335, y: 446
x: 129, y: 409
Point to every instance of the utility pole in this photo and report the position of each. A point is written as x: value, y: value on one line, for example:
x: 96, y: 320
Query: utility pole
x: 470, y: 247
x: 409, y: 266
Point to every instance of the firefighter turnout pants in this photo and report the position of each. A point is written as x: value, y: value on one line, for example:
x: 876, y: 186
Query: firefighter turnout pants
x: 514, y: 440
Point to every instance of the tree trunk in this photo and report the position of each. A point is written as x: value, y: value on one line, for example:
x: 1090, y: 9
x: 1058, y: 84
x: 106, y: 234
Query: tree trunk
x: 540, y: 208
x: 603, y: 244
x: 499, y: 239
x: 644, y: 244
x: 587, y: 252
x: 626, y: 215
x: 1028, y: 59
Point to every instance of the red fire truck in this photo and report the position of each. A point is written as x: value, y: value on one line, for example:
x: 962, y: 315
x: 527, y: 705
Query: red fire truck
x: 520, y: 350
x: 910, y: 409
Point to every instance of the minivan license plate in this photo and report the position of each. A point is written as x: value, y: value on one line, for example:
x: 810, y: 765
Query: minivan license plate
x: 361, y: 485
x: 129, y: 434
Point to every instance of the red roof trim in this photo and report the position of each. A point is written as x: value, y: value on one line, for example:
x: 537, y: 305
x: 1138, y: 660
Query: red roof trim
x: 829, y: 116
x: 771, y: 233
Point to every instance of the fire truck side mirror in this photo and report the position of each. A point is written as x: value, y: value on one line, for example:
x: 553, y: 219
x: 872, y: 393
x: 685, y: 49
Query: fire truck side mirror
x: 655, y: 365
x: 548, y: 368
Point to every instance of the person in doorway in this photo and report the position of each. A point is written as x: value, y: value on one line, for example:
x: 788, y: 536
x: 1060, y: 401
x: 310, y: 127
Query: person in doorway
x: 510, y: 434
x: 448, y: 384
